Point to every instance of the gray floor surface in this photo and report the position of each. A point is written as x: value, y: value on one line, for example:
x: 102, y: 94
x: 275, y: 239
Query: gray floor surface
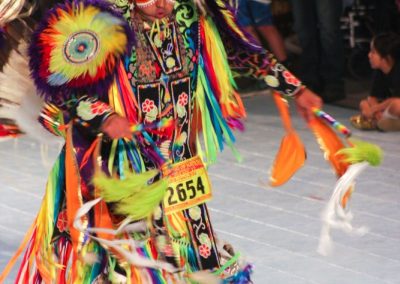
x: 276, y: 229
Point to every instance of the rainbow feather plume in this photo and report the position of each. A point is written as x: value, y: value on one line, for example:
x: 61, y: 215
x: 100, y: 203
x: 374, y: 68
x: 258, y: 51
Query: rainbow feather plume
x: 78, y: 45
x: 105, y: 26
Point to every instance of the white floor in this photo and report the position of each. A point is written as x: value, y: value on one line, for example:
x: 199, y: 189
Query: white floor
x: 276, y: 229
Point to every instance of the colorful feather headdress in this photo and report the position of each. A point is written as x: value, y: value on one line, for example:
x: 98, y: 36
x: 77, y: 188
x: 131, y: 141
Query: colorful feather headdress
x: 77, y: 47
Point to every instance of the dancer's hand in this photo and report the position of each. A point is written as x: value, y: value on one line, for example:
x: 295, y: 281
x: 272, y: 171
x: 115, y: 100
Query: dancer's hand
x: 306, y: 101
x: 116, y: 127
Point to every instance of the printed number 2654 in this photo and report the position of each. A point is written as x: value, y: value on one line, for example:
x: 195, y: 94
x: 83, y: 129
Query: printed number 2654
x: 185, y: 191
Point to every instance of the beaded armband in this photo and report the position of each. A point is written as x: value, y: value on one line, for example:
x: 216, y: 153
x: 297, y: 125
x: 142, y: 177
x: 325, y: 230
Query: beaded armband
x: 283, y: 80
x: 91, y: 112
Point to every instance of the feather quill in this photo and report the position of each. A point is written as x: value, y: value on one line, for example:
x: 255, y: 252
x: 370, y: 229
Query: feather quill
x: 9, y: 10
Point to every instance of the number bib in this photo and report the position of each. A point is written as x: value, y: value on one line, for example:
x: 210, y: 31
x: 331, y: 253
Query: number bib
x: 188, y: 185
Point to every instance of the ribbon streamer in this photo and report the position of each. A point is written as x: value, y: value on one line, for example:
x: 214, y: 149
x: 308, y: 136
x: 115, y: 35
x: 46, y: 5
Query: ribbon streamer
x: 121, y: 245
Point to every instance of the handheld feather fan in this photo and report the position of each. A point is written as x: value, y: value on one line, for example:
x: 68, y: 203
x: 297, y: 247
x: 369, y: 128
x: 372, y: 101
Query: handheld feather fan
x: 348, y: 158
x: 348, y: 163
x: 291, y: 155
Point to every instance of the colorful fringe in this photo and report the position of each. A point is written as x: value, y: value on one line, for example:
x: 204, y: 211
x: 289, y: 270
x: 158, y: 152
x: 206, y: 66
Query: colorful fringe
x: 217, y: 102
x: 52, y: 119
x: 224, y: 16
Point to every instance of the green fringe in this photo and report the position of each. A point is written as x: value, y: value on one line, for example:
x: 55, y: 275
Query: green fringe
x: 115, y: 189
x: 133, y: 196
x: 221, y: 48
x: 362, y: 151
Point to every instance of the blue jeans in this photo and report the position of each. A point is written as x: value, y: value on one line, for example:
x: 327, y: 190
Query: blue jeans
x: 317, y: 23
x: 254, y: 13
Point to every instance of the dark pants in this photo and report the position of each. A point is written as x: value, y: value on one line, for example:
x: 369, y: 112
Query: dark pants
x: 317, y: 23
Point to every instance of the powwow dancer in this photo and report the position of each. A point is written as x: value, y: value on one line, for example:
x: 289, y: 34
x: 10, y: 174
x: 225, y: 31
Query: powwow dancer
x: 125, y: 201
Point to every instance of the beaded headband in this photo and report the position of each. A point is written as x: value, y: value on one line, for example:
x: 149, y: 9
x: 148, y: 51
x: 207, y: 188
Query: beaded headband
x: 147, y: 3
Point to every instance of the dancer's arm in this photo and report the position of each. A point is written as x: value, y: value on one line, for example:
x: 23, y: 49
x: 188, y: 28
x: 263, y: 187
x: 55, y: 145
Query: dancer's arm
x: 97, y: 116
x: 249, y: 59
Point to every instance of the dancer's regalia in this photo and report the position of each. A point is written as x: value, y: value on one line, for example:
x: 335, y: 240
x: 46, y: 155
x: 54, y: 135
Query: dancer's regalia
x: 135, y: 209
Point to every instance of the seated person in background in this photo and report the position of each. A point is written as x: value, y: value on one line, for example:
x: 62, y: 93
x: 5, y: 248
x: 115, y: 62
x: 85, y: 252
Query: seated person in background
x: 381, y: 110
